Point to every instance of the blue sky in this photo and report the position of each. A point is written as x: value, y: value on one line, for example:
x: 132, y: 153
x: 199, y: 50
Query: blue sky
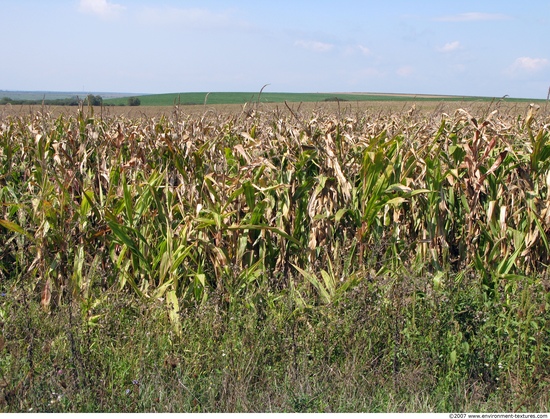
x: 485, y: 48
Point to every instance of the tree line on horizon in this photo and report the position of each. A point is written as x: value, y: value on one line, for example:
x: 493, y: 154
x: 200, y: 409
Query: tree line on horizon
x: 91, y: 100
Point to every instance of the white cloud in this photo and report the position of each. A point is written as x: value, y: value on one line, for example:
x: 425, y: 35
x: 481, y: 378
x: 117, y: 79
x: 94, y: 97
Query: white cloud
x: 314, y: 45
x: 364, y: 50
x: 450, y: 46
x: 350, y: 50
x: 102, y: 8
x: 528, y: 65
x: 472, y: 17
x: 405, y: 71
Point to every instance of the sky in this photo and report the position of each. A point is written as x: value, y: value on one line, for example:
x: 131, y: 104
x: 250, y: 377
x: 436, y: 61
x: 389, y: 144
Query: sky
x: 471, y: 48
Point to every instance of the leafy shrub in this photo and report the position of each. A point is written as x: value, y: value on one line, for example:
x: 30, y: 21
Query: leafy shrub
x: 134, y: 101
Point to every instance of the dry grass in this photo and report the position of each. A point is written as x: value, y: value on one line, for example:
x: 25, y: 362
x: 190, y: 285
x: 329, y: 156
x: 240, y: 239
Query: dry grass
x: 347, y: 108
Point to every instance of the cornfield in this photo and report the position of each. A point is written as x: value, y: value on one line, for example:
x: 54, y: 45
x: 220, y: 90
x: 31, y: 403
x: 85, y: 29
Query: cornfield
x: 179, y: 206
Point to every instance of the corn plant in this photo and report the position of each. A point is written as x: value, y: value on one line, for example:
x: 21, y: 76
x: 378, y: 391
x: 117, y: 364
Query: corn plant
x: 182, y: 207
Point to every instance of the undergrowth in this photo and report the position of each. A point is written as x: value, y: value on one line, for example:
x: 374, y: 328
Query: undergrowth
x: 391, y: 345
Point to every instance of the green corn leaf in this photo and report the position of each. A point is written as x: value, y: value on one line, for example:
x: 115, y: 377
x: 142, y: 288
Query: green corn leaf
x: 323, y: 292
x: 122, y: 237
x: 340, y: 213
x: 173, y: 311
x: 264, y: 227
x: 161, y: 290
x: 128, y: 204
x: 88, y: 204
x: 15, y: 228
x: 397, y: 187
x: 396, y: 201
x: 249, y: 193
x: 77, y: 269
x: 330, y: 282
x: 507, y: 263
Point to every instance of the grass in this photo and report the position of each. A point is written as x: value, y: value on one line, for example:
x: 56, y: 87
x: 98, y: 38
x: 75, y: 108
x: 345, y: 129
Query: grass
x: 364, y: 354
x: 275, y: 260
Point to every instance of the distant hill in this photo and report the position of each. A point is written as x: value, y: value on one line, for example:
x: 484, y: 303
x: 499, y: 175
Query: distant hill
x: 219, y: 98
x: 222, y: 98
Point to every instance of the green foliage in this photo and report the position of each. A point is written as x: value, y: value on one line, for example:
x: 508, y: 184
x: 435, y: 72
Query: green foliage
x: 94, y: 100
x: 134, y: 101
x: 392, y: 345
x: 72, y: 101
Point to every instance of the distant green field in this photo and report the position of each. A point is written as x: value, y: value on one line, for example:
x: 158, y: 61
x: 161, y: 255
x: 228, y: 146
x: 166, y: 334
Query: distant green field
x: 239, y: 98
x: 222, y: 98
